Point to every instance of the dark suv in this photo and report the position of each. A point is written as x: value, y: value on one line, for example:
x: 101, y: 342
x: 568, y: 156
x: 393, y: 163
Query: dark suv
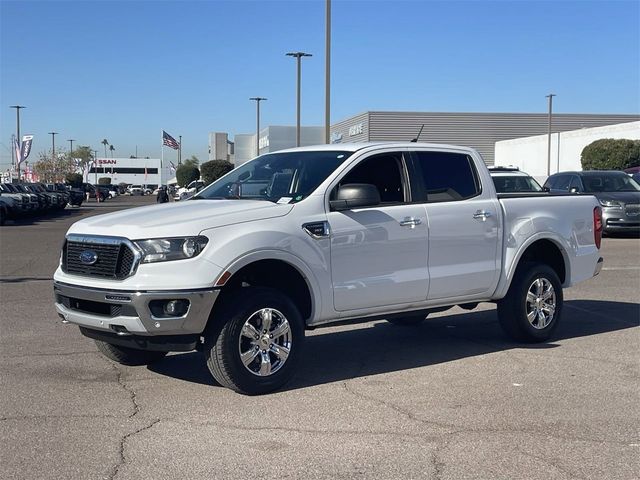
x: 616, y: 191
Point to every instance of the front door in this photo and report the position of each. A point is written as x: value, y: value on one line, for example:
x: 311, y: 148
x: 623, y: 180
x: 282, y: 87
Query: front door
x: 379, y: 254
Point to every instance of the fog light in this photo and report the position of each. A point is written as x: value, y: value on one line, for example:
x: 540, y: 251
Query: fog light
x: 169, y: 308
x: 175, y: 308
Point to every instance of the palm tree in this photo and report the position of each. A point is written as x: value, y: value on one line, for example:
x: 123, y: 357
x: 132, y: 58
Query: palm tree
x: 111, y: 149
x: 105, y: 142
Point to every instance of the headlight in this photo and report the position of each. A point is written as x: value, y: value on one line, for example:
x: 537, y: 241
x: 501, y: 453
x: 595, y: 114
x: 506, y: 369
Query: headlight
x: 610, y: 204
x: 166, y: 249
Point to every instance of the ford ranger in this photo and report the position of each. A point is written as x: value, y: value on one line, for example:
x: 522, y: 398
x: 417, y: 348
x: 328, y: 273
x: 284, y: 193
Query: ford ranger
x: 300, y: 238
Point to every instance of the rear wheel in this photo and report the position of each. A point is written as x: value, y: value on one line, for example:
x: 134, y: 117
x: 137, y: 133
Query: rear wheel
x: 128, y: 356
x: 531, y: 310
x: 257, y: 348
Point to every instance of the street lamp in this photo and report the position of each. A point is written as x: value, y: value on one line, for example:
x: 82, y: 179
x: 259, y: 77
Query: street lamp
x: 550, y: 97
x: 257, y: 100
x: 18, y: 107
x: 70, y: 140
x: 298, y: 56
x: 53, y: 153
x: 95, y: 168
x: 327, y: 71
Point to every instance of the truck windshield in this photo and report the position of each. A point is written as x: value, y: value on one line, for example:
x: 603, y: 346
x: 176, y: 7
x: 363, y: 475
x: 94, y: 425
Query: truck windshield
x: 610, y: 183
x: 276, y: 177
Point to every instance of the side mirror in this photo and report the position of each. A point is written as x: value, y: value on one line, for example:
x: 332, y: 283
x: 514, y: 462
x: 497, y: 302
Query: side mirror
x: 546, y: 189
x: 575, y: 190
x: 355, y: 195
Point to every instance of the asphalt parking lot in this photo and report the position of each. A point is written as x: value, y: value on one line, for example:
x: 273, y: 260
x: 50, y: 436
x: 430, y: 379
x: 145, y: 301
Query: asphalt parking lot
x: 450, y: 399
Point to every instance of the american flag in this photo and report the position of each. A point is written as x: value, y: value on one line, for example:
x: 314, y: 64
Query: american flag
x: 169, y: 141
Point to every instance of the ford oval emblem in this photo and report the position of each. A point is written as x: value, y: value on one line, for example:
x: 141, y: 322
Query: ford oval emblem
x: 88, y: 257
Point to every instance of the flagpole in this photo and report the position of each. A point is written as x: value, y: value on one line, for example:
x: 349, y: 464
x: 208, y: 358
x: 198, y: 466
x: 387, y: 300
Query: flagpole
x: 161, y: 156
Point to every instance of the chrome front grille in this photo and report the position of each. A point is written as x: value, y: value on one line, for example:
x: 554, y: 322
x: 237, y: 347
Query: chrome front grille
x: 103, y: 257
x: 633, y: 209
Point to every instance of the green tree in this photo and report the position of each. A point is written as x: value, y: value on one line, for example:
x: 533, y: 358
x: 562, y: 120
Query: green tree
x: 214, y: 169
x: 104, y: 181
x: 73, y: 179
x: 193, y: 161
x: 52, y: 169
x: 611, y: 154
x: 82, y: 156
x: 185, y: 174
x: 112, y: 149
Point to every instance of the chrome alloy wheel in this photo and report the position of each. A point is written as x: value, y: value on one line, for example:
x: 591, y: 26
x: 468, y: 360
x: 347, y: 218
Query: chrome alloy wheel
x: 265, y: 342
x: 540, y: 303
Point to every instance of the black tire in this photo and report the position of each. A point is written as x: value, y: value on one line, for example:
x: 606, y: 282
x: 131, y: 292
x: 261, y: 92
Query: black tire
x: 408, y: 321
x: 226, y: 341
x: 129, y: 356
x: 513, y: 308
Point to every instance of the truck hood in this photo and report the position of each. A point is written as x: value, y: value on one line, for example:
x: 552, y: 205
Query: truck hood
x: 624, y: 197
x: 178, y: 219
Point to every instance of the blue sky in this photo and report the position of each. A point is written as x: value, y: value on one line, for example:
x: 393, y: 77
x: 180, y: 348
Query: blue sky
x: 125, y: 70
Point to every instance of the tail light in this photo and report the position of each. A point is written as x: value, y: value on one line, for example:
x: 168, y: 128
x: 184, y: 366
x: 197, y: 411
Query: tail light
x: 597, y: 226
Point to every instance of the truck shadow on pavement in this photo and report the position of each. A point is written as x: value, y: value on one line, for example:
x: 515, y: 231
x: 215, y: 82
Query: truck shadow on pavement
x: 379, y: 347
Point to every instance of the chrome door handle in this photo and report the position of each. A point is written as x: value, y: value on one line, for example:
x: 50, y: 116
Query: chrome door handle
x: 410, y: 222
x: 482, y: 215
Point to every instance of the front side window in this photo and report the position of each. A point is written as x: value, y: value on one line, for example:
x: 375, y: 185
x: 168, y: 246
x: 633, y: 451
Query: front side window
x: 561, y: 182
x: 285, y: 177
x: 382, y: 170
x: 447, y: 176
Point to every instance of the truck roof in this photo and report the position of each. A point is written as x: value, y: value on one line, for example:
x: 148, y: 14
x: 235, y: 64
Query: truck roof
x: 353, y: 147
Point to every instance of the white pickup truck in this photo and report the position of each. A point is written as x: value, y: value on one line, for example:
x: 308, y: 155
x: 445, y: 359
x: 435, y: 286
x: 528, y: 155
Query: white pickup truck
x: 301, y: 238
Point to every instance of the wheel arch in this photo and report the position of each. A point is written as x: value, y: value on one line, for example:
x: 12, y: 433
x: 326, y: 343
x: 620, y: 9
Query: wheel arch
x: 274, y: 269
x: 539, y: 248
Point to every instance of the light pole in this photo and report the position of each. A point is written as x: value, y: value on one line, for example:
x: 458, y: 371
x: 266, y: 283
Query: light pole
x: 550, y: 97
x: 95, y: 169
x: 70, y: 140
x: 257, y: 100
x: 298, y: 56
x: 53, y: 154
x: 327, y: 72
x: 180, y: 150
x: 18, y: 107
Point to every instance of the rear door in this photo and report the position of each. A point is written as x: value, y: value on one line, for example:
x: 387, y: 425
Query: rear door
x: 379, y: 253
x: 463, y: 224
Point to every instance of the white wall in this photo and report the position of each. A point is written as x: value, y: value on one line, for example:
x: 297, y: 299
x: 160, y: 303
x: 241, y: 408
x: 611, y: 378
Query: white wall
x: 530, y: 153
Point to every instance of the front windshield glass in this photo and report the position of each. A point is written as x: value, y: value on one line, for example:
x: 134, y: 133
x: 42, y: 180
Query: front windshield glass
x: 505, y: 184
x: 609, y: 183
x: 276, y: 177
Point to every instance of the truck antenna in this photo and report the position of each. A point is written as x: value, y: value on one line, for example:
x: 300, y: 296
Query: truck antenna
x: 415, y: 140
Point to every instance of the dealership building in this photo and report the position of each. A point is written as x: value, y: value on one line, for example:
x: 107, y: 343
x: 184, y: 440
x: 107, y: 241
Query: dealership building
x: 477, y: 130
x: 135, y: 171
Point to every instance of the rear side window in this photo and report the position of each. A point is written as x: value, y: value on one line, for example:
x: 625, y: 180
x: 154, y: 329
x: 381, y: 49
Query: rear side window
x: 446, y: 176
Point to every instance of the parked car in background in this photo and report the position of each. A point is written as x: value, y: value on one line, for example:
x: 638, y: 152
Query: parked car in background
x: 617, y: 192
x: 7, y: 205
x: 512, y: 180
x: 135, y: 190
x: 189, y: 191
x: 22, y: 205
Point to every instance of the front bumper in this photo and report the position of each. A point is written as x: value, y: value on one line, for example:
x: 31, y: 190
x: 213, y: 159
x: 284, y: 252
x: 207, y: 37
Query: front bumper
x: 128, y: 312
x: 618, y: 220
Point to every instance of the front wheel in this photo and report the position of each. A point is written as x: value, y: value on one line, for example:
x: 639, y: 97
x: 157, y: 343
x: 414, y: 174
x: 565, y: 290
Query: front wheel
x: 531, y: 310
x: 258, y: 346
x: 128, y: 356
